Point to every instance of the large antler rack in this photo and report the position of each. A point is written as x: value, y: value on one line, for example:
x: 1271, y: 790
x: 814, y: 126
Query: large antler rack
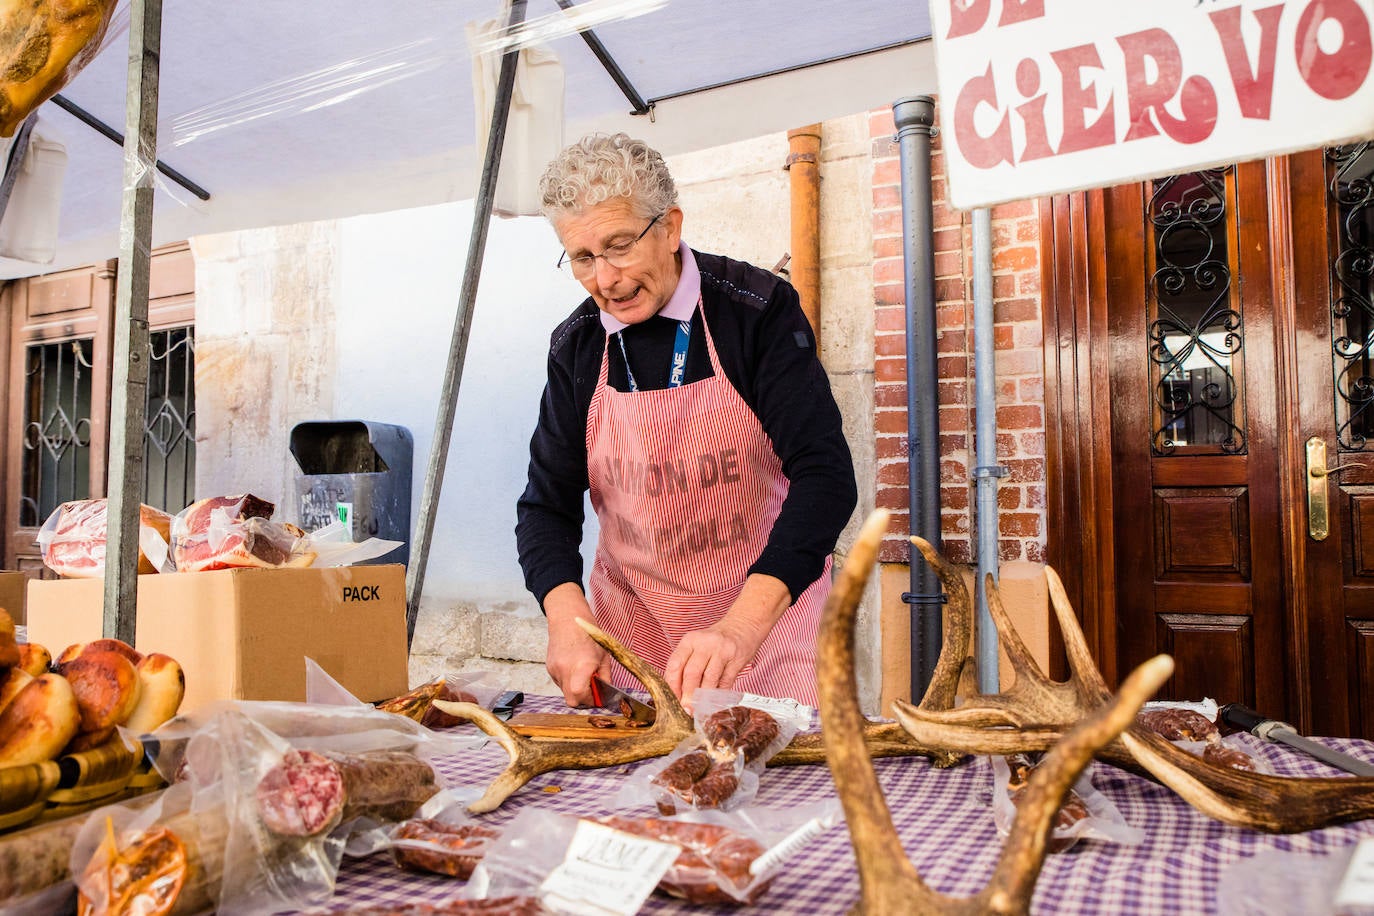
x: 889, y: 883
x: 1035, y: 713
x: 890, y: 739
x: 531, y: 757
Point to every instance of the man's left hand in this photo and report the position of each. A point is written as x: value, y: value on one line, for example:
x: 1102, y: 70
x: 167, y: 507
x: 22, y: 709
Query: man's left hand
x: 714, y: 656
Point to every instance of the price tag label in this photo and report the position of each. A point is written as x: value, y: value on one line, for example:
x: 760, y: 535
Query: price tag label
x: 607, y: 872
x: 1357, y: 887
x: 778, y: 707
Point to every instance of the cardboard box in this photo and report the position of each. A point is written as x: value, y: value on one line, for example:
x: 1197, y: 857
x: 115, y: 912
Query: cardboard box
x: 12, y: 586
x: 245, y: 633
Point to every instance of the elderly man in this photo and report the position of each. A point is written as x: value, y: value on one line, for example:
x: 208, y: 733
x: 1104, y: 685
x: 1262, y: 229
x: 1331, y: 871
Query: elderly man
x: 687, y: 395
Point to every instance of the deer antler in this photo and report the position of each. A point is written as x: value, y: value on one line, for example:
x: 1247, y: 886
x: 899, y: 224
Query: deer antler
x: 1039, y: 710
x: 890, y: 739
x: 889, y: 882
x: 530, y: 757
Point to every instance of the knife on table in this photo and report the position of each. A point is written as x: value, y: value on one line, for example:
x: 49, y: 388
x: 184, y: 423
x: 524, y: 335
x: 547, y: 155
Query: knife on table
x: 607, y: 696
x: 1246, y: 719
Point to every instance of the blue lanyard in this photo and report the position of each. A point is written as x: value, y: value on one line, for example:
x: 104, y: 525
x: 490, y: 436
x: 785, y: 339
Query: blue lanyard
x: 677, y: 370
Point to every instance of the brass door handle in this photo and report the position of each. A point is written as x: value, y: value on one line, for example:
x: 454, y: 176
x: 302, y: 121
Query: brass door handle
x: 1327, y: 472
x: 1318, y: 506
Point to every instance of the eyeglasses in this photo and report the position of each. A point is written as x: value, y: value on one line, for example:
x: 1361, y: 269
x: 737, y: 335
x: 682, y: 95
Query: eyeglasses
x: 618, y: 255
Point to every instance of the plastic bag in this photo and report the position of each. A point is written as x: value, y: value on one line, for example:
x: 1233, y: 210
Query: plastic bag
x: 478, y: 687
x: 226, y: 532
x: 716, y: 865
x: 255, y: 825
x: 441, y: 838
x: 719, y: 765
x: 203, y: 847
x: 333, y: 545
x: 1188, y: 726
x: 1230, y: 751
x: 73, y: 539
x: 336, y: 728
x: 1085, y: 813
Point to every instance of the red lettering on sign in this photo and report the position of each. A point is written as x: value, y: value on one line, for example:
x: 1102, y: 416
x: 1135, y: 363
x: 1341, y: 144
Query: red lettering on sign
x: 1146, y: 97
x: 1032, y: 112
x: 1078, y: 99
x: 980, y: 151
x: 1336, y: 75
x: 967, y: 16
x: 1254, y: 84
x: 1014, y: 11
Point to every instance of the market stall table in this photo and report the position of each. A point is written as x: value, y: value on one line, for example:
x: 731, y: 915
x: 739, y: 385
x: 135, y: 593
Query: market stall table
x: 946, y: 824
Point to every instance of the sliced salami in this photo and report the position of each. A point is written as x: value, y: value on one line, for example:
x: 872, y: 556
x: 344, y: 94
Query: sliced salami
x: 308, y: 793
x: 301, y: 796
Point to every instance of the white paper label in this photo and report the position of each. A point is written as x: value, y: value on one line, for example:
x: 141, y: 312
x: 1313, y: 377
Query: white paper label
x: 606, y: 872
x: 344, y: 513
x: 778, y: 707
x: 1357, y: 887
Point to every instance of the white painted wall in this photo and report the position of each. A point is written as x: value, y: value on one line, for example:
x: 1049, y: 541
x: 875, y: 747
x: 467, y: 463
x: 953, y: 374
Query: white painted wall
x: 398, y: 294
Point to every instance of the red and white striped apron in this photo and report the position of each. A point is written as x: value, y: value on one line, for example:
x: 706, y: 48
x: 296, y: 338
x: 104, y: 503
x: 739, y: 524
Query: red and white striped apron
x: 687, y: 486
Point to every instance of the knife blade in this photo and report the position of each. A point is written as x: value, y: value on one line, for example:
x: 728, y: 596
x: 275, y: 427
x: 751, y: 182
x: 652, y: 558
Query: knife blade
x: 607, y: 696
x: 1239, y: 716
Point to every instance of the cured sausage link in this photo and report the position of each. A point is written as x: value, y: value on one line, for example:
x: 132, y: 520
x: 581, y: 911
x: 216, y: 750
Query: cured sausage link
x: 310, y: 793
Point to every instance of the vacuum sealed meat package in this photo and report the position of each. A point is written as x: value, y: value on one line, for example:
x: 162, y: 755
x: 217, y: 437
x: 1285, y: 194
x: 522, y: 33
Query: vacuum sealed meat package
x: 73, y: 539
x: 719, y: 765
x: 226, y: 532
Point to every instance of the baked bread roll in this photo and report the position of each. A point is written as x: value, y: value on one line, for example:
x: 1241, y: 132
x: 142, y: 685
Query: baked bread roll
x: 34, y: 658
x: 106, y: 686
x: 163, y: 684
x: 78, y: 649
x: 39, y: 722
x: 12, y: 680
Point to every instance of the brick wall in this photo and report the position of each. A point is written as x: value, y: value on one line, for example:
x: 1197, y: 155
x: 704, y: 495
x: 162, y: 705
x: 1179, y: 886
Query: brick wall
x: 1020, y: 372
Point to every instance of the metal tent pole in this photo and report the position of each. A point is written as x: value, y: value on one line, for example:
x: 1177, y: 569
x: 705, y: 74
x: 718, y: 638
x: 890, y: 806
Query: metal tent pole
x: 462, y: 328
x: 986, y: 470
x: 915, y: 119
x: 129, y: 386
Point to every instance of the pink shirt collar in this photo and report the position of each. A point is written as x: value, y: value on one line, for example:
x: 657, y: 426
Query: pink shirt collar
x: 681, y: 304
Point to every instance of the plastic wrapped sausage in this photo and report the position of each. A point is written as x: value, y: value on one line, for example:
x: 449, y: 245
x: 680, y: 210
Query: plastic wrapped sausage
x: 713, y: 867
x: 427, y: 844
x: 309, y: 793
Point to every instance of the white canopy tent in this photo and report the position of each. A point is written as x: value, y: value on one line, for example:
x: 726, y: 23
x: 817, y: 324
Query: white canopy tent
x: 289, y: 112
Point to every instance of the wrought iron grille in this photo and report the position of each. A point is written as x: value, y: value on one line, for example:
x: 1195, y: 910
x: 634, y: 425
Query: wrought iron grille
x: 1350, y: 170
x: 57, y: 425
x: 1195, y: 331
x: 169, y: 437
x: 56, y: 464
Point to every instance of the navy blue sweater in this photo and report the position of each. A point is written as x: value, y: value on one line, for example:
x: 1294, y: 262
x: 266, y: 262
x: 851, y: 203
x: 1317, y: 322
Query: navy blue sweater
x: 768, y: 354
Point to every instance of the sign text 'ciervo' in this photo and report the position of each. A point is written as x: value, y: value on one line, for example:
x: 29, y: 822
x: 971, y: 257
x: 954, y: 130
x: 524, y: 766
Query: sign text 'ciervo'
x: 1045, y: 96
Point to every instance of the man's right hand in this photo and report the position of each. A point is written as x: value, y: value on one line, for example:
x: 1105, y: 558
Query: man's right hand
x: 573, y: 656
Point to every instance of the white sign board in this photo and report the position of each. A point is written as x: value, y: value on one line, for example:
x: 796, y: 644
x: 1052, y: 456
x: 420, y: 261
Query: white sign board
x: 1045, y: 96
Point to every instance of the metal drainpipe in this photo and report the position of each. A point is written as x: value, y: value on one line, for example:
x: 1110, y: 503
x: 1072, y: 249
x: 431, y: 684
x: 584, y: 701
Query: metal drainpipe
x: 986, y: 471
x: 804, y: 177
x: 915, y: 119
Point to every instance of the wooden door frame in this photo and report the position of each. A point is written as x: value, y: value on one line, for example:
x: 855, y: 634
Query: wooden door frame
x: 1077, y: 359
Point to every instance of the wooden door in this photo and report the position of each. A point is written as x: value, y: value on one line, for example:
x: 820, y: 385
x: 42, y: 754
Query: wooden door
x: 56, y: 441
x: 1332, y: 206
x: 1215, y: 324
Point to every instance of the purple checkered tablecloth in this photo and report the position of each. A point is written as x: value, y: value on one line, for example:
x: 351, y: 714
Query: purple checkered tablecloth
x: 945, y: 820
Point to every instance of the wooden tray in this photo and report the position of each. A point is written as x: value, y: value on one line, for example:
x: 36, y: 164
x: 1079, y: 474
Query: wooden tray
x: 570, y: 725
x: 73, y: 783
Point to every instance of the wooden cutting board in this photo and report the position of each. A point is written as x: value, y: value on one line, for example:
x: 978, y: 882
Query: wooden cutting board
x: 569, y: 725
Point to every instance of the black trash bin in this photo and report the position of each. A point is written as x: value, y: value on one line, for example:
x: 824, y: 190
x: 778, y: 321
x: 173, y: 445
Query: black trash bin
x: 358, y: 471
